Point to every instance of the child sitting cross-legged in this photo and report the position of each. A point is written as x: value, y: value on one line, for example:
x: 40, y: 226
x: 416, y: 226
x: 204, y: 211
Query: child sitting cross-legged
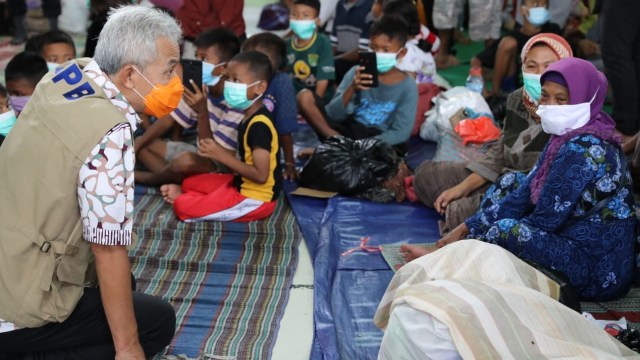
x: 250, y: 193
x: 360, y: 111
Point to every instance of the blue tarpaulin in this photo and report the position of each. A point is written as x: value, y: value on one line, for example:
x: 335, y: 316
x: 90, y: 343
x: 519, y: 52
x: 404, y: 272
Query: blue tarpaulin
x: 348, y: 288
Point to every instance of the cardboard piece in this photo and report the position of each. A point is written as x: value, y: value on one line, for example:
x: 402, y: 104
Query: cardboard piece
x: 303, y: 191
x: 393, y: 257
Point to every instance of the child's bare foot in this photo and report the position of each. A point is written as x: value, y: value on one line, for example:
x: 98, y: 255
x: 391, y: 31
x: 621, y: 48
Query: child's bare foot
x: 412, y: 252
x: 306, y: 153
x: 170, y: 192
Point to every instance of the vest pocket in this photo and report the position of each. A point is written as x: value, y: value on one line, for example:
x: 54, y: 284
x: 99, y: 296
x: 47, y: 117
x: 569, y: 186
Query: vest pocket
x: 60, y: 278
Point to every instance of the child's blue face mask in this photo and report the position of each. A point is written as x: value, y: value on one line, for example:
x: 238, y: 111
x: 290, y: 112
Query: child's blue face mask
x: 538, y: 16
x: 532, y: 85
x: 303, y: 29
x: 386, y: 61
x: 7, y: 120
x: 235, y: 94
x: 207, y: 73
x: 52, y: 66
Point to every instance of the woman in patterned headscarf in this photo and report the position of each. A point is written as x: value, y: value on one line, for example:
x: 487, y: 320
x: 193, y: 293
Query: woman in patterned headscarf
x: 574, y: 212
x: 455, y: 189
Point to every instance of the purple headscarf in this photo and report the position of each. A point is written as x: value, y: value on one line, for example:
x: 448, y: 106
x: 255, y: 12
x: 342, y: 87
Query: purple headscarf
x: 583, y: 81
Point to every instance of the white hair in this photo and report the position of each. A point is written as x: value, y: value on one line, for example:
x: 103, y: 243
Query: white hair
x: 130, y: 35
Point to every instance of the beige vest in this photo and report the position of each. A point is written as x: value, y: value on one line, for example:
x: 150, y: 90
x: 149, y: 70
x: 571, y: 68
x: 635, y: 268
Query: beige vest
x: 44, y: 261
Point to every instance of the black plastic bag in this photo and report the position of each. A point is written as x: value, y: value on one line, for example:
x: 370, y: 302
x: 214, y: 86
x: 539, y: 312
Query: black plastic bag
x: 348, y: 166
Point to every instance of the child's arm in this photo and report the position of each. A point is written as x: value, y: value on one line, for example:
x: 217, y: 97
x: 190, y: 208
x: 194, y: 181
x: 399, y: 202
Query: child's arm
x: 321, y: 88
x: 325, y: 70
x: 197, y: 100
x: 360, y: 82
x: 339, y: 107
x: 286, y: 143
x: 258, y: 172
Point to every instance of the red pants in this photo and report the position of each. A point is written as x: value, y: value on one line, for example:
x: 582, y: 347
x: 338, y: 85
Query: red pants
x: 214, y: 197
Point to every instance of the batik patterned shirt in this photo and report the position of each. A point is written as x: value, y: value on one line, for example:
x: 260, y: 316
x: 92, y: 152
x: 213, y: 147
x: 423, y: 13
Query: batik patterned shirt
x: 105, y: 181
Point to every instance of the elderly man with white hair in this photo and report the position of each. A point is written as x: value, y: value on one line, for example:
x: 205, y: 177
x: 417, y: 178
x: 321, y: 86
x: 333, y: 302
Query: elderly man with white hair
x: 66, y: 204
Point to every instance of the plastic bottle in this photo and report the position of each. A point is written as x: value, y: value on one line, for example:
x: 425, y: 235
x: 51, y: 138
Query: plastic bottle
x: 475, y: 82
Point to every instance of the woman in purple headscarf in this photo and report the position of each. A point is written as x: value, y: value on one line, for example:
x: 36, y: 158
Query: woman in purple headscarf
x: 575, y: 211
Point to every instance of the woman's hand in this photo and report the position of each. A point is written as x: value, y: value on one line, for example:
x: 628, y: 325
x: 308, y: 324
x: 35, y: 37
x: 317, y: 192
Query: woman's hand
x: 210, y: 149
x: 197, y: 100
x: 448, y: 196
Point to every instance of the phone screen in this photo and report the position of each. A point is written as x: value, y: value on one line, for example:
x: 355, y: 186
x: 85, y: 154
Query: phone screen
x: 368, y: 60
x: 191, y: 70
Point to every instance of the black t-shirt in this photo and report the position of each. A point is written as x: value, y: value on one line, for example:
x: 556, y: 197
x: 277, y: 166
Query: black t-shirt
x: 258, y: 132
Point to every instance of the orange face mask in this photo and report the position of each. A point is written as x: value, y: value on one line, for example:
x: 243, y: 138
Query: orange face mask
x: 162, y: 99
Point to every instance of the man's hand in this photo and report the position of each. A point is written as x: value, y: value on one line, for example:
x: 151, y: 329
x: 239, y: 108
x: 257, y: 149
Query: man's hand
x: 210, y: 149
x: 447, y: 197
x: 197, y: 100
x: 362, y: 81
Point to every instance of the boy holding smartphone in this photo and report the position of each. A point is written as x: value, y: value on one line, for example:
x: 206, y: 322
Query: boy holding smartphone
x: 359, y: 111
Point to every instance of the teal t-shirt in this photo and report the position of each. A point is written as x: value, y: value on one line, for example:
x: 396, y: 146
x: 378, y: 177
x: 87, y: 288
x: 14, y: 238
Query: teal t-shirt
x: 311, y: 64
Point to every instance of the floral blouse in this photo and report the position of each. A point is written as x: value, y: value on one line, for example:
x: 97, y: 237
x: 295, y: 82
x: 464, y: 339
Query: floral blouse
x: 596, y: 252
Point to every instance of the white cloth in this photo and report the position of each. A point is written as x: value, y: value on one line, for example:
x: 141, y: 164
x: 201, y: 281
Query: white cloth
x: 495, y: 306
x: 413, y: 334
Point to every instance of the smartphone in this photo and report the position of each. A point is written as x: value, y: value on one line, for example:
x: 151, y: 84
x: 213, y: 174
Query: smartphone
x: 368, y: 60
x: 191, y: 70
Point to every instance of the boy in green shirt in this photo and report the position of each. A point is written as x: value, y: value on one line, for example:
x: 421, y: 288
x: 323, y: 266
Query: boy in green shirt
x: 309, y: 53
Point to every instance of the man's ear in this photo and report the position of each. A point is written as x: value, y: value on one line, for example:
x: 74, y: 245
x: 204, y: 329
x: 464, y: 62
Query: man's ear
x: 126, y: 76
x: 318, y: 21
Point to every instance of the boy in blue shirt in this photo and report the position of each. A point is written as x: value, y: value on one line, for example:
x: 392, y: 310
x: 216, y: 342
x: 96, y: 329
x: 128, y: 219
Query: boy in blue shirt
x: 358, y: 111
x: 309, y: 53
x: 280, y: 97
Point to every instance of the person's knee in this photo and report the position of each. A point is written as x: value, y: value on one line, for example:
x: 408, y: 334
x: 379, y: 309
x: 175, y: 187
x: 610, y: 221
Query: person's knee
x: 508, y: 45
x: 156, y: 322
x: 305, y: 99
x: 423, y: 184
x: 183, y: 163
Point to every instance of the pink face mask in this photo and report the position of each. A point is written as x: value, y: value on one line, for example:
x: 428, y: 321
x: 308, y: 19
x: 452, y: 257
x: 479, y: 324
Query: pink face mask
x: 18, y: 102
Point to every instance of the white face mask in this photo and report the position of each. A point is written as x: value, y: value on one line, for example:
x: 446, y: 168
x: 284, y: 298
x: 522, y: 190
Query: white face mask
x: 560, y: 119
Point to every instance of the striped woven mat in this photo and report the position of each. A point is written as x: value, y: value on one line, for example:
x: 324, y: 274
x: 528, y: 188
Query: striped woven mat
x: 627, y: 307
x: 228, y: 282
